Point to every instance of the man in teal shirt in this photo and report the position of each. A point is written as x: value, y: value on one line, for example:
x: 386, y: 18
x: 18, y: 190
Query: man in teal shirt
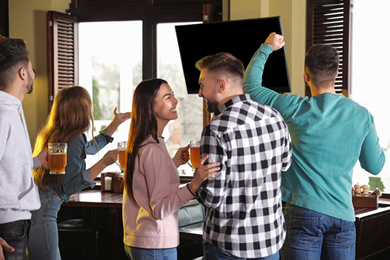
x: 330, y: 133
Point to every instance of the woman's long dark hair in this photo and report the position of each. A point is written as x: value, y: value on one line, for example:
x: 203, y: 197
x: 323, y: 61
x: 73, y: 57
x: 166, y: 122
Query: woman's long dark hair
x: 143, y: 124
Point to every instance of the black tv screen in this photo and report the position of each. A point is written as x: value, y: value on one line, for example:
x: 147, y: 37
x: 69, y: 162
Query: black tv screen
x: 241, y: 38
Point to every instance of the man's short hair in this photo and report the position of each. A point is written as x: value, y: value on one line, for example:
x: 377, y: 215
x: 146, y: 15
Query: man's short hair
x: 322, y: 61
x: 222, y: 62
x: 13, y: 56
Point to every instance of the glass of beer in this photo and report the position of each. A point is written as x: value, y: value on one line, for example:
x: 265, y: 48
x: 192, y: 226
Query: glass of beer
x: 195, y: 153
x: 57, y: 157
x: 122, y: 153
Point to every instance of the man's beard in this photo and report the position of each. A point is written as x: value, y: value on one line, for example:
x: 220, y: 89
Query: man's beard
x: 211, y: 106
x: 30, y: 83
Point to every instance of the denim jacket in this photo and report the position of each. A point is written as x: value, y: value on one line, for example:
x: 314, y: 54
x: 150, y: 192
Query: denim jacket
x: 77, y: 177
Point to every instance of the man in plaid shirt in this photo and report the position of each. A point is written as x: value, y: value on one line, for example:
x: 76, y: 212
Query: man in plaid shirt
x: 244, y: 217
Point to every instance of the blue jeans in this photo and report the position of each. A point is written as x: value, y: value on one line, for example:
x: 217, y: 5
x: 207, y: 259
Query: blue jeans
x: 212, y: 252
x: 16, y: 235
x: 135, y: 253
x: 312, y: 235
x: 43, y: 242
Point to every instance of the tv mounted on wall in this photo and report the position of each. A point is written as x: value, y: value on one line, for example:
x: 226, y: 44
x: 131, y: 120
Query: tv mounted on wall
x: 241, y: 38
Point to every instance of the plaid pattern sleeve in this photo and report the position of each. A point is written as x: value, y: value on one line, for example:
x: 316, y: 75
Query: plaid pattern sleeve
x: 243, y: 201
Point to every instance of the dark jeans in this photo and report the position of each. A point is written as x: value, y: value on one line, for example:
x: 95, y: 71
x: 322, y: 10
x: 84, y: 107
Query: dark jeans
x: 16, y: 235
x: 313, y: 236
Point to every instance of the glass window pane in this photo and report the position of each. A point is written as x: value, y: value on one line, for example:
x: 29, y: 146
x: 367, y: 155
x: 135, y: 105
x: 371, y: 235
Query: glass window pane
x: 189, y: 125
x: 110, y: 62
x: 370, y: 77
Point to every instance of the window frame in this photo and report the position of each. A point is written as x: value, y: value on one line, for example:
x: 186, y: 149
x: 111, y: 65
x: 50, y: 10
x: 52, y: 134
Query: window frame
x: 150, y: 12
x: 62, y: 52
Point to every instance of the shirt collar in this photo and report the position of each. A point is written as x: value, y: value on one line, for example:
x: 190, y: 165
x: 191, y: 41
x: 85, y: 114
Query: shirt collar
x: 229, y: 103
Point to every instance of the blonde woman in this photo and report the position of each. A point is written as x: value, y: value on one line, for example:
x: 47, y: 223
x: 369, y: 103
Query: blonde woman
x: 70, y: 117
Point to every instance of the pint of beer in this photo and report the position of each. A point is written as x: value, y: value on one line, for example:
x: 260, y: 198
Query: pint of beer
x: 122, y: 153
x: 57, y: 157
x: 195, y: 153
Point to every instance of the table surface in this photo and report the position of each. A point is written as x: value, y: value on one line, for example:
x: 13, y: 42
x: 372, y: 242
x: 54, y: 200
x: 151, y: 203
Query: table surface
x: 98, y: 198
x: 383, y: 205
x: 95, y: 198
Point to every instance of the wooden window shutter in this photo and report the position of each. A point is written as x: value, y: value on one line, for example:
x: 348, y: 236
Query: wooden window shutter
x: 329, y: 22
x: 62, y: 52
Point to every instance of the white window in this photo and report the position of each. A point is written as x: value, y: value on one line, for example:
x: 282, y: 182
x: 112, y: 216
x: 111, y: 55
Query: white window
x: 370, y: 71
x: 110, y: 67
x: 178, y: 133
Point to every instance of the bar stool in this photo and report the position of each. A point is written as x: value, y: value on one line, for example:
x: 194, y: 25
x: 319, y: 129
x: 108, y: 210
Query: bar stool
x: 78, y: 240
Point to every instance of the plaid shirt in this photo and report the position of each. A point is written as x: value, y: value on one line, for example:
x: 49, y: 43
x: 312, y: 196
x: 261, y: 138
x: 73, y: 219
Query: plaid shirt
x: 243, y: 201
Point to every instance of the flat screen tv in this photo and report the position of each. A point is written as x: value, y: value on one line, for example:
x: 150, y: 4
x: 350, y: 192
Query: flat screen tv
x: 241, y: 38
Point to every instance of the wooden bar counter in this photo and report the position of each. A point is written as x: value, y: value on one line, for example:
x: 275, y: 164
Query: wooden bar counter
x: 373, y: 231
x: 95, y: 198
x: 99, y: 209
x: 104, y: 209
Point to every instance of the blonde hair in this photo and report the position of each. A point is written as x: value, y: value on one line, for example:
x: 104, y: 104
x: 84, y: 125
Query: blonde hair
x: 70, y: 116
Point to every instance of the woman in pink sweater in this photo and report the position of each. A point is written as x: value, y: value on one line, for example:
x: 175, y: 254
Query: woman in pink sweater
x: 152, y: 196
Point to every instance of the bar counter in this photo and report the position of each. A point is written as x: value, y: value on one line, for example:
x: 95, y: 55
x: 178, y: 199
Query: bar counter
x: 105, y: 209
x: 100, y: 199
x: 95, y: 198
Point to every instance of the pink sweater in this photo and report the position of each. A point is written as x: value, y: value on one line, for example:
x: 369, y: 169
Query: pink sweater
x: 151, y: 220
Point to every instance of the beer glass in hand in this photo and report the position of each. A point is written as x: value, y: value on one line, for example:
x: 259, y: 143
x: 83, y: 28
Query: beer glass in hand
x: 195, y: 153
x: 122, y: 154
x: 56, y: 157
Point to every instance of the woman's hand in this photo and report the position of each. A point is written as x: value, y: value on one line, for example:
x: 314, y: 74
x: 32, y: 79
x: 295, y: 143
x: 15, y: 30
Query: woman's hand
x: 110, y: 157
x: 119, y: 118
x: 182, y: 156
x: 202, y: 173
